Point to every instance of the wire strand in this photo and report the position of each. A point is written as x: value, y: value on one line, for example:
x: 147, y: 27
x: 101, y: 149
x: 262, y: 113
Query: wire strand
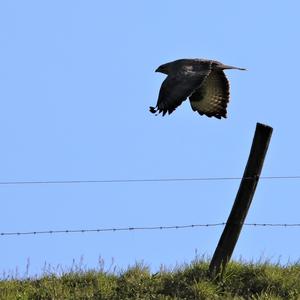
x: 143, y: 180
x: 144, y: 228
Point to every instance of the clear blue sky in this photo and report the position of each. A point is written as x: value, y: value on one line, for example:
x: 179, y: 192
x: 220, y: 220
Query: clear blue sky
x: 77, y: 78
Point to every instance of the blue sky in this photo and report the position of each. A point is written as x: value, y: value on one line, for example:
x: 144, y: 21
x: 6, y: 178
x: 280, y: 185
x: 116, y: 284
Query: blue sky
x: 77, y: 78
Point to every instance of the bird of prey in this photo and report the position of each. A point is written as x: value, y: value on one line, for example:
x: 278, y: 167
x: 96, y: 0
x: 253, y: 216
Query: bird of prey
x: 202, y: 81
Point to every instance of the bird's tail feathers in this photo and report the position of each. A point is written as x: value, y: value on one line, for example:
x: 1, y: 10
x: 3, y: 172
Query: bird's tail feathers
x: 231, y: 67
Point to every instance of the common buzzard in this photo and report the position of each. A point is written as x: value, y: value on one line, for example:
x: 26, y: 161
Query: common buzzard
x: 202, y: 81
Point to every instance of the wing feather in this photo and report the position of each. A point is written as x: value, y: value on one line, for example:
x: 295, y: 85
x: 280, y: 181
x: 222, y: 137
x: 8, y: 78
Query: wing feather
x: 212, y: 97
x: 175, y: 89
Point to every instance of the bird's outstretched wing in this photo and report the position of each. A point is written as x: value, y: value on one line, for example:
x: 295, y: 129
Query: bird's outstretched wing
x: 175, y: 89
x: 212, y: 97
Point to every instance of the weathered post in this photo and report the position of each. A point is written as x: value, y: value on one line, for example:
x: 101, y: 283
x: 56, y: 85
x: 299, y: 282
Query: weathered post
x: 242, y: 201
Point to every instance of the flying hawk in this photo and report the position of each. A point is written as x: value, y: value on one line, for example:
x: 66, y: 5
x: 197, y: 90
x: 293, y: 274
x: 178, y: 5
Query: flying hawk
x: 202, y: 81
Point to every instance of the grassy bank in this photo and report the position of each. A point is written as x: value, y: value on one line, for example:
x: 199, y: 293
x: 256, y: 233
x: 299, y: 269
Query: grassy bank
x: 241, y: 281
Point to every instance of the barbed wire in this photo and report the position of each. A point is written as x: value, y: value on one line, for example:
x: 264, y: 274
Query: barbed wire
x: 143, y: 228
x: 144, y: 180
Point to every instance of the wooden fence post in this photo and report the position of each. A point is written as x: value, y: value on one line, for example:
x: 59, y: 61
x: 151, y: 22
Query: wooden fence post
x: 242, y: 201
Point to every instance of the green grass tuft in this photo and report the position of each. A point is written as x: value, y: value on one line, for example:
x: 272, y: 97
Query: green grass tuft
x: 241, y: 280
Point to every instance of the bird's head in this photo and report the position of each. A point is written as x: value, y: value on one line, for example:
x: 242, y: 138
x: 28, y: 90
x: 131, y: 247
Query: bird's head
x: 165, y: 69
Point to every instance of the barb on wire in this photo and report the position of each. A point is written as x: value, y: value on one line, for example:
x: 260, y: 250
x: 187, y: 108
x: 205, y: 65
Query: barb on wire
x: 143, y: 228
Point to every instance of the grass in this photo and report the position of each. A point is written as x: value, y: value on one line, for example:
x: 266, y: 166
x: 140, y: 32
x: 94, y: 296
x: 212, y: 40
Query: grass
x: 261, y: 280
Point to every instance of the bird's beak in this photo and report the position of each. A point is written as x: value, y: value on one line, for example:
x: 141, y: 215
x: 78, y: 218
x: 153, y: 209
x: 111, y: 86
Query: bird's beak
x: 230, y: 67
x: 162, y: 69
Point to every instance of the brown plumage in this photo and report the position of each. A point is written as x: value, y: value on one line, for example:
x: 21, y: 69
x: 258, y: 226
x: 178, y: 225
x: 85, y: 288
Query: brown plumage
x: 202, y: 81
